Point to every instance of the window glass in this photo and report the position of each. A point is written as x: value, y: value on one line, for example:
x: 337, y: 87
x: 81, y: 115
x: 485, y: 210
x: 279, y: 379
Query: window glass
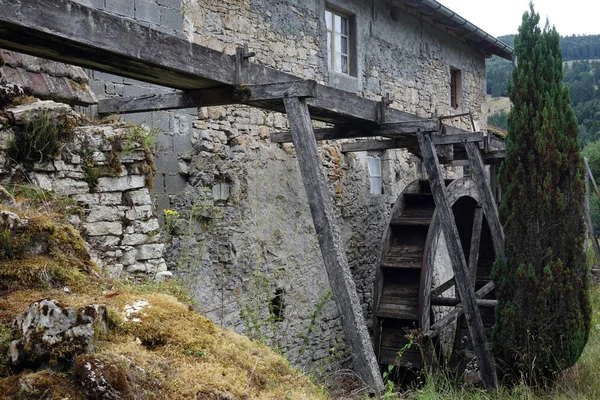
x: 375, y: 181
x: 337, y: 42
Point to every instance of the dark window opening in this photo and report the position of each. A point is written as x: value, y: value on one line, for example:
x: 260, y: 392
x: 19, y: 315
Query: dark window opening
x: 455, y: 88
x: 277, y: 305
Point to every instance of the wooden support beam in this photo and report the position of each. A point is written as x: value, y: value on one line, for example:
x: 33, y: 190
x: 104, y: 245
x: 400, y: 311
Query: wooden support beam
x: 243, y: 94
x: 408, y: 141
x: 475, y: 243
x: 349, y: 131
x: 459, y: 264
x: 454, y: 302
x: 588, y: 214
x: 332, y: 248
x: 488, y: 202
x: 438, y: 291
x: 67, y: 31
x: 453, y: 315
x: 591, y: 176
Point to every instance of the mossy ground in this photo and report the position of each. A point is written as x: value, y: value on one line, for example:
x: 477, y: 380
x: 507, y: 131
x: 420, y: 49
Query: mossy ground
x: 182, y: 354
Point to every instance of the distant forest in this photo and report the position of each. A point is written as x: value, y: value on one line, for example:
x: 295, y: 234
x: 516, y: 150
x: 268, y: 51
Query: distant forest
x: 582, y: 76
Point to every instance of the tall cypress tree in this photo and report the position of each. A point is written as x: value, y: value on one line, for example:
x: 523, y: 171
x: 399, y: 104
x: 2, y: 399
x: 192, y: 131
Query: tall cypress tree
x: 543, y: 312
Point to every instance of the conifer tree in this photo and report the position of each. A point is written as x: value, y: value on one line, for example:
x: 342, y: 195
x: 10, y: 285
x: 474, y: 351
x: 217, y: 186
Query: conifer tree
x: 543, y: 314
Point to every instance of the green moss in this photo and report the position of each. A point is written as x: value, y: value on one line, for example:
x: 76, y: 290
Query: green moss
x: 64, y: 260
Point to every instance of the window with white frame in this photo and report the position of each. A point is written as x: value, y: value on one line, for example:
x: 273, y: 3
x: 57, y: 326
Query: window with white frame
x: 338, y: 42
x: 375, y: 182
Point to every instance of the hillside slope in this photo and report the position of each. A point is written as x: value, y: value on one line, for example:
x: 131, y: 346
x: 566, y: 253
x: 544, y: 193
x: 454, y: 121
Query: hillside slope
x: 96, y: 338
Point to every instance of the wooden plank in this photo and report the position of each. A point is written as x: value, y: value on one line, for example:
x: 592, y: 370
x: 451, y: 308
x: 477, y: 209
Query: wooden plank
x: 438, y: 291
x: 487, y: 200
x: 342, y: 131
x: 67, y: 31
x: 242, y: 94
x: 457, y: 257
x: 405, y: 142
x: 453, y: 302
x: 591, y: 176
x: 588, y: 217
x: 457, y: 312
x: 475, y: 243
x: 327, y: 230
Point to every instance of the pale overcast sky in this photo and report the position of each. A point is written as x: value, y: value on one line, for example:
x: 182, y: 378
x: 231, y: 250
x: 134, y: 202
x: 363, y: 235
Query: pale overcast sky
x: 502, y: 17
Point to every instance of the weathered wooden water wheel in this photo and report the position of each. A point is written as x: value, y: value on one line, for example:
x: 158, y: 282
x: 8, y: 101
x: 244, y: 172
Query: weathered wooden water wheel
x: 415, y: 287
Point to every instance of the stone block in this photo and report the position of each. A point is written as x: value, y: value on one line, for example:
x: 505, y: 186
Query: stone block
x: 176, y: 4
x: 163, y: 202
x: 165, y: 142
x: 141, y: 212
x: 159, y: 184
x: 181, y: 143
x: 93, y: 199
x: 174, y: 184
x: 103, y: 228
x: 23, y: 113
x: 70, y: 186
x: 136, y: 268
x: 171, y: 19
x: 141, y: 197
x: 148, y: 226
x: 106, y: 184
x: 167, y: 164
x: 149, y: 251
x: 147, y: 11
x: 99, y: 4
x: 43, y: 181
x: 121, y: 7
x: 134, y: 239
x: 104, y: 213
x: 162, y: 119
x: 128, y: 257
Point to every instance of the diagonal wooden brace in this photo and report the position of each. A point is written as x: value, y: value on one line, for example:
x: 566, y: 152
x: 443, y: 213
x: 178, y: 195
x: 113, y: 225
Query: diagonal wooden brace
x: 332, y: 248
x: 458, y: 261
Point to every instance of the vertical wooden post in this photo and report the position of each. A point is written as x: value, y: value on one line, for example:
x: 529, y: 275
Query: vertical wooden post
x: 494, y: 182
x: 488, y: 203
x: 459, y: 263
x: 332, y: 248
x: 475, y: 243
x: 588, y: 217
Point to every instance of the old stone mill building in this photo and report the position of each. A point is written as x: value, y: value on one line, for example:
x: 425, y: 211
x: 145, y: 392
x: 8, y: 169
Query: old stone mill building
x: 228, y: 187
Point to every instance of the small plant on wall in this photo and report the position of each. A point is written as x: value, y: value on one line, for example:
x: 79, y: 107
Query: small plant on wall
x: 41, y: 138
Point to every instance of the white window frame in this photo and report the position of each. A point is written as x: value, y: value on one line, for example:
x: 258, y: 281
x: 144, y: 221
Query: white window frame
x: 339, y: 32
x: 375, y: 178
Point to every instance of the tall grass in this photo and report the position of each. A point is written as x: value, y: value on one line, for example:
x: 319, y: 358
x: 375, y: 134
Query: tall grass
x: 582, y: 381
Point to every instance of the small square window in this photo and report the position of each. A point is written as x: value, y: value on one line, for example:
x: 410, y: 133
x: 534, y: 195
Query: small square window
x: 338, y: 42
x: 455, y: 87
x: 375, y: 182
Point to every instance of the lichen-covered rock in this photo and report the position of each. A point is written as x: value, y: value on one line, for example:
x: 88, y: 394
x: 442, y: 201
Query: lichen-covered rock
x: 9, y: 91
x: 51, y: 334
x: 106, y: 379
x: 10, y: 220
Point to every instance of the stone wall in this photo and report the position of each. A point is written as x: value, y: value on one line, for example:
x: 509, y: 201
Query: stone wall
x: 244, y: 239
x: 105, y: 171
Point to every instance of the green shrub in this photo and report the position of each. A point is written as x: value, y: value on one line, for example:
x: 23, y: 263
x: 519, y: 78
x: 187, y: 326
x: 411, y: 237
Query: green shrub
x: 542, y: 286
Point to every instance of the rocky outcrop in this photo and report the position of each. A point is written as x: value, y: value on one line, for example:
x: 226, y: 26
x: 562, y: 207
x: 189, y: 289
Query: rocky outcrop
x: 50, y: 334
x: 107, y: 379
x: 106, y: 169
